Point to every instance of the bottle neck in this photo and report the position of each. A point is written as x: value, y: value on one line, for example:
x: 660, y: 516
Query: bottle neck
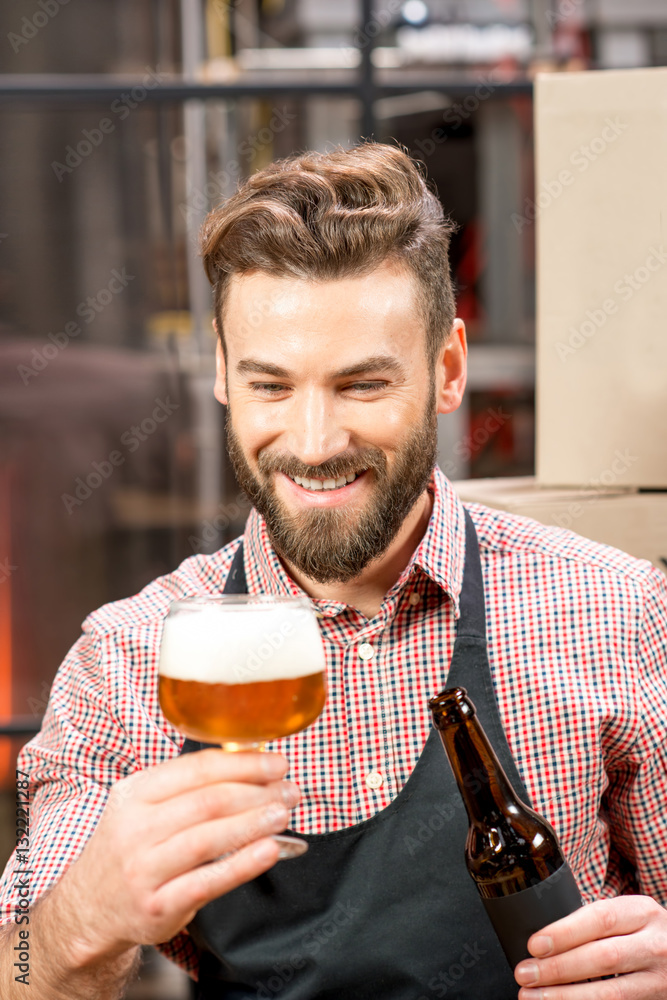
x: 483, y: 784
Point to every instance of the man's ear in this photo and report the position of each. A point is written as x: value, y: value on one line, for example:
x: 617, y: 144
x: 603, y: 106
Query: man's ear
x: 220, y: 387
x: 451, y: 369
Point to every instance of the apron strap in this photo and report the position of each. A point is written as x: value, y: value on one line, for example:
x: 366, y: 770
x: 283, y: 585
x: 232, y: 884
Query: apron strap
x: 472, y: 620
x: 236, y: 580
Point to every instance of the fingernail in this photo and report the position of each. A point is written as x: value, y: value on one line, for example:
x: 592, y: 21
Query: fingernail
x: 531, y: 995
x: 290, y: 793
x: 542, y: 945
x: 527, y: 974
x: 273, y: 765
x: 275, y: 813
x: 264, y: 851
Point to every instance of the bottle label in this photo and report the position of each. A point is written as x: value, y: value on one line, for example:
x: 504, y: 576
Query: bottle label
x: 516, y: 917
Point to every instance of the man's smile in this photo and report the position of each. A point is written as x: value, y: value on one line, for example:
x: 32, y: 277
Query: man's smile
x: 317, y: 483
x: 323, y: 492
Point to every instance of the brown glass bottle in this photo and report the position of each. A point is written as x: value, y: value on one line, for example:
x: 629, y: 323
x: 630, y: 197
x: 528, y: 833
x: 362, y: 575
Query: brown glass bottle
x: 512, y: 852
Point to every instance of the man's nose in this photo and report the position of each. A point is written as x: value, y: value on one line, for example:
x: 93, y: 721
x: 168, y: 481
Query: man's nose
x: 315, y: 434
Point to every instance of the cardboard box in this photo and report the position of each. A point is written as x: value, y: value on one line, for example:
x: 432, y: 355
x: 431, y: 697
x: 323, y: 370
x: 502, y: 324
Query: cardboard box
x: 601, y: 214
x: 627, y: 519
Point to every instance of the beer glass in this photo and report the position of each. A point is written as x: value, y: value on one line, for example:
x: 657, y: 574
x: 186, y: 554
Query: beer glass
x: 240, y: 670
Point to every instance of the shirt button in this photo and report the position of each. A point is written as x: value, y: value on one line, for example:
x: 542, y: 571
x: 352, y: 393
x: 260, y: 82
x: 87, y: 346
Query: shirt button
x: 366, y: 651
x: 374, y: 779
x: 413, y: 598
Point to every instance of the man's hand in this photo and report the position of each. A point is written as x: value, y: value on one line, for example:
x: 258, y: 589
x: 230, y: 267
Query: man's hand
x: 624, y: 938
x: 151, y: 862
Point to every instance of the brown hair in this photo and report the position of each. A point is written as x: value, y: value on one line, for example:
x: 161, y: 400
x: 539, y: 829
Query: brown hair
x: 336, y: 214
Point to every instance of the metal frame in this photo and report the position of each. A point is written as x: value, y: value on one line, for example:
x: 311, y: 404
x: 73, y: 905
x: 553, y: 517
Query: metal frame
x: 83, y: 88
x: 22, y: 725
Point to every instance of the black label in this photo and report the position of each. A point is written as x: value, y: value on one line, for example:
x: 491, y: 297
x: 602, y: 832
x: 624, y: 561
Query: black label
x: 516, y: 917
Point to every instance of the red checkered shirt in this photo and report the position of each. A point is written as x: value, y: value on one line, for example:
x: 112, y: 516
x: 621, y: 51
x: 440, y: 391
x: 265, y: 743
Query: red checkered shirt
x: 577, y: 637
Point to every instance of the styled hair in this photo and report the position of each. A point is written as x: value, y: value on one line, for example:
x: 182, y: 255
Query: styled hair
x: 333, y: 215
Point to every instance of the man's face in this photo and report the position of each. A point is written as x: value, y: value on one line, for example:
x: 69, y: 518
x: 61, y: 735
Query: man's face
x: 327, y: 381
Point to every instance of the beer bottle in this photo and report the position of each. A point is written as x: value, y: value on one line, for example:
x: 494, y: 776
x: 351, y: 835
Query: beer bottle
x: 511, y: 852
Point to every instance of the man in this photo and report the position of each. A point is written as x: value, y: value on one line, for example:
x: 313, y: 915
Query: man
x: 338, y: 346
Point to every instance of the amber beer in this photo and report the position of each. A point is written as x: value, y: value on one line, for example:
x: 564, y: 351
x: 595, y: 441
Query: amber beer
x: 512, y: 852
x: 241, y: 674
x: 242, y: 713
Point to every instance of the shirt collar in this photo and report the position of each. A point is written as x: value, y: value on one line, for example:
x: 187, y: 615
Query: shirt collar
x: 440, y: 553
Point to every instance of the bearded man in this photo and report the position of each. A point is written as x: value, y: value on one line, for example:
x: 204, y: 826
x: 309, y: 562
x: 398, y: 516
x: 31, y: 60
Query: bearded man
x: 338, y: 346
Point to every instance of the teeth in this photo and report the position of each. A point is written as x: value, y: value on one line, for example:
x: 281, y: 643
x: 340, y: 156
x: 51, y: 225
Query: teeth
x: 327, y: 484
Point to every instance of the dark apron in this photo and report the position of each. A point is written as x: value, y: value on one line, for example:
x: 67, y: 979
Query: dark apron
x: 382, y: 909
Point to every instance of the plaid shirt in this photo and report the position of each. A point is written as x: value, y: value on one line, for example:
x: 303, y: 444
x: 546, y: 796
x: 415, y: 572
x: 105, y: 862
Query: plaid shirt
x: 577, y: 636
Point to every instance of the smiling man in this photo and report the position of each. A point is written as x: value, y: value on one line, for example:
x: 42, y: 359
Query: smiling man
x: 338, y: 347
x: 332, y: 422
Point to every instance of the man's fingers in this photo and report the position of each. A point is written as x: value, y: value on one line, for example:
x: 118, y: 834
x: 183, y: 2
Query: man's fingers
x: 200, y: 844
x: 637, y: 986
x: 622, y: 937
x: 140, y: 864
x: 604, y: 918
x: 607, y: 957
x: 214, y: 802
x: 193, y: 770
x: 198, y: 887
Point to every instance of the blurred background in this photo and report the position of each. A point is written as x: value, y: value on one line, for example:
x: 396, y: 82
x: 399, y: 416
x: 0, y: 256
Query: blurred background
x: 122, y: 122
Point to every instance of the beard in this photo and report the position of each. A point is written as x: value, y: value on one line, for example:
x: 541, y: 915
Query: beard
x: 333, y: 544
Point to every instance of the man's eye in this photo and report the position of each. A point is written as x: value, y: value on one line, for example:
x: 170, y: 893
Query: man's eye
x: 270, y: 387
x: 274, y: 388
x: 368, y: 386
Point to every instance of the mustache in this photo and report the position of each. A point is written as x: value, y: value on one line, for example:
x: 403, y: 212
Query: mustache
x: 369, y: 458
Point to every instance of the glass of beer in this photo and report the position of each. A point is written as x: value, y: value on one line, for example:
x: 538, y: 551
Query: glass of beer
x: 241, y: 670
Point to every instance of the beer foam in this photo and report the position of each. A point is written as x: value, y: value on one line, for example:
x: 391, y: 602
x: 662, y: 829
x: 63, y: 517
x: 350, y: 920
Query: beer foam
x: 241, y: 644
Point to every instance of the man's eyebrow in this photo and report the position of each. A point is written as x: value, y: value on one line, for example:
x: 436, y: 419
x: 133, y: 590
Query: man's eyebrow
x: 378, y: 363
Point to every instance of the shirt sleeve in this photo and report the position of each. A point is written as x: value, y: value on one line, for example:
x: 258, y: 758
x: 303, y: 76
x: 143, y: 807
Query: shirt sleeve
x: 636, y: 799
x: 81, y: 750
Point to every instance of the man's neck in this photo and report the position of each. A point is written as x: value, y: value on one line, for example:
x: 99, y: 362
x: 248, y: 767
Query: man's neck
x: 366, y: 592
